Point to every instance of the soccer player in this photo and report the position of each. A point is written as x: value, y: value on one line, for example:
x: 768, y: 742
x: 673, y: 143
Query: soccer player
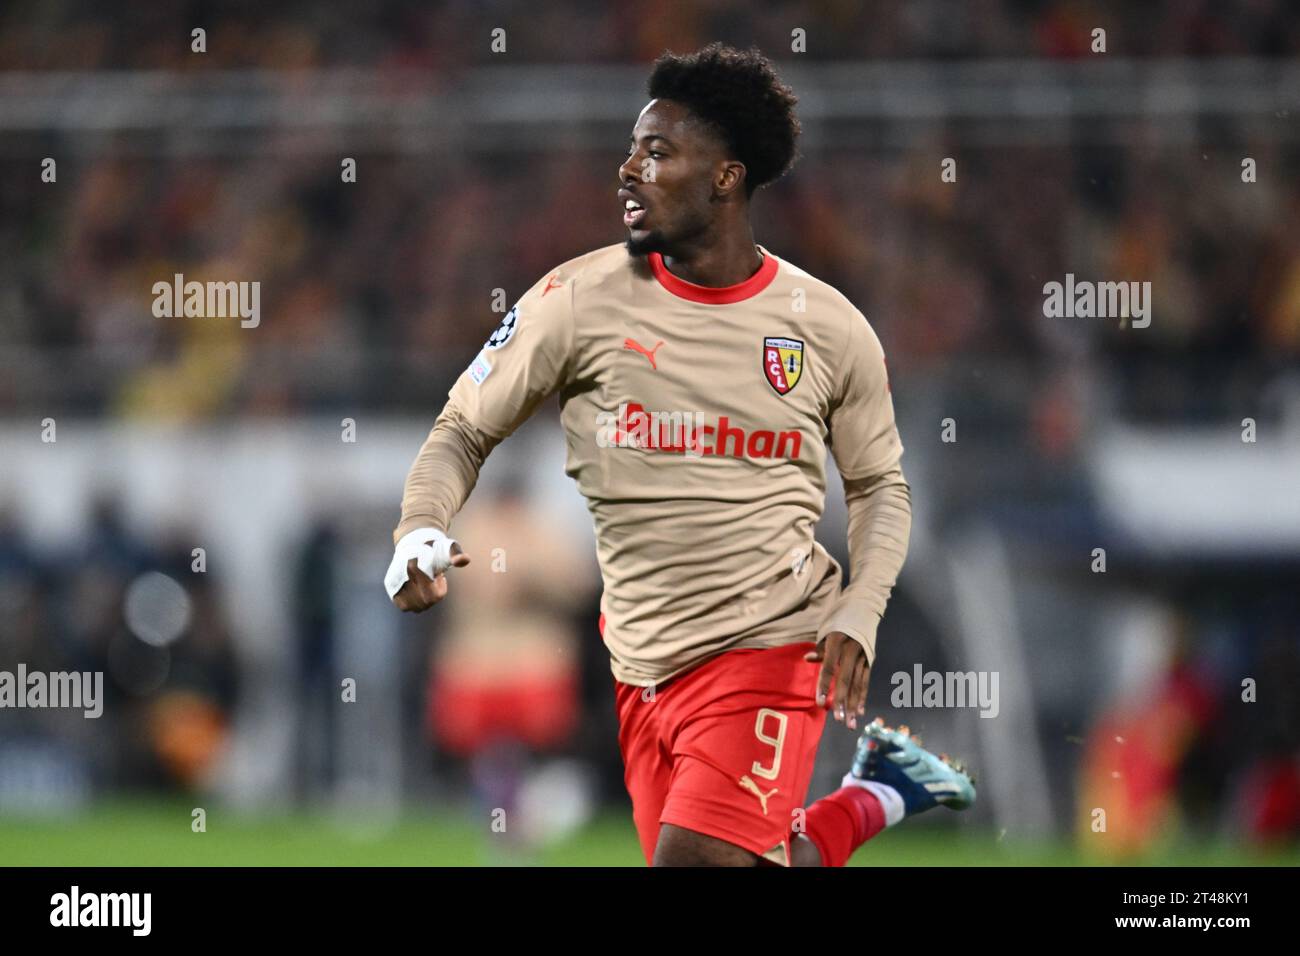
x: 701, y: 381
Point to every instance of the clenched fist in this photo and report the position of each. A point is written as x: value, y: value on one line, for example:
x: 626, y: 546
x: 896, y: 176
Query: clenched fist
x: 416, y: 578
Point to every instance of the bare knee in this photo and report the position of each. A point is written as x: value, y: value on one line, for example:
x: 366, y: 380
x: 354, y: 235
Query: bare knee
x: 678, y: 846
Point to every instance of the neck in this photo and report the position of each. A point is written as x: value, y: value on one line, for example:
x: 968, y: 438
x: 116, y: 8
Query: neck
x: 717, y: 260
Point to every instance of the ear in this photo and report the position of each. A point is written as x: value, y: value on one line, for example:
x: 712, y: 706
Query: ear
x: 730, y: 178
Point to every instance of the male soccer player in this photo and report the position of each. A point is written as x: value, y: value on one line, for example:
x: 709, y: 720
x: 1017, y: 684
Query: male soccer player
x: 701, y: 382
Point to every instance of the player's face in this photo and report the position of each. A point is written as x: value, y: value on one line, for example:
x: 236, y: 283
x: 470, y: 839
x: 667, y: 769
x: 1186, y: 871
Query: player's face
x: 669, y: 173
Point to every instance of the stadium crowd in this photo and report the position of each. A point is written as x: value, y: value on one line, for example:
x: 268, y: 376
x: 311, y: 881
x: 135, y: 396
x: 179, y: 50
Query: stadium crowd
x: 79, y: 34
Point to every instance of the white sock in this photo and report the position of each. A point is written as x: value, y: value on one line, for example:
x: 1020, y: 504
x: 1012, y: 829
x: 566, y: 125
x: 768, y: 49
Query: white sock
x: 890, y: 799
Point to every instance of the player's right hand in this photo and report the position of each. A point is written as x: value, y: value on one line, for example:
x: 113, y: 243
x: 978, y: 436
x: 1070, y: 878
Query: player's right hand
x: 415, y: 580
x: 420, y: 592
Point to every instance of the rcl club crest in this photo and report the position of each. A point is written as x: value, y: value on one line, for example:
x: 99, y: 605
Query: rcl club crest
x: 782, y: 363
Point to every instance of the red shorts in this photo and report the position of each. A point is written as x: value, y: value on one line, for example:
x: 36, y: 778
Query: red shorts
x: 725, y: 749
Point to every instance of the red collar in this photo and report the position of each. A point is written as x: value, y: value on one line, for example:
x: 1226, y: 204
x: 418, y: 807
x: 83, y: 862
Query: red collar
x: 715, y: 295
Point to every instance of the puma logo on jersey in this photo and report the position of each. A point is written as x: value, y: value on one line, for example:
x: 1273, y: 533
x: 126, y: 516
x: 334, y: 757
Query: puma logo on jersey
x: 636, y: 346
x: 747, y: 783
x: 550, y: 284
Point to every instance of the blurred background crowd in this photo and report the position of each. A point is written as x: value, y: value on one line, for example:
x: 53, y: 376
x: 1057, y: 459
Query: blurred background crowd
x: 404, y: 34
x: 1124, y: 688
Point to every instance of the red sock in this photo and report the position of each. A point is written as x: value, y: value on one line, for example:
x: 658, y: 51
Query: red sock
x: 841, y: 822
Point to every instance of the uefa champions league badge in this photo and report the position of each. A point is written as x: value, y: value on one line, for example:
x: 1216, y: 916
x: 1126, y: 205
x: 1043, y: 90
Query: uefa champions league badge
x: 504, y: 332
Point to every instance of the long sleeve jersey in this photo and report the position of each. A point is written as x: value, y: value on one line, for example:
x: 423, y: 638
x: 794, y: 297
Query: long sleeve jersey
x: 698, y: 421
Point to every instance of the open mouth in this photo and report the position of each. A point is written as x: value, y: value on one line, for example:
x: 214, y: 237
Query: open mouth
x: 633, y: 213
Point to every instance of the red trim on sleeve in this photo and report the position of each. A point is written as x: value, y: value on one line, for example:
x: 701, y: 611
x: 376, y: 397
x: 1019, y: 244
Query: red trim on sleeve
x: 715, y: 295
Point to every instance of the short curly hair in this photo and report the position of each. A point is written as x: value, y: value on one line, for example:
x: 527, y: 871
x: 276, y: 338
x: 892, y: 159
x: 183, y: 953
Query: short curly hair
x: 737, y: 94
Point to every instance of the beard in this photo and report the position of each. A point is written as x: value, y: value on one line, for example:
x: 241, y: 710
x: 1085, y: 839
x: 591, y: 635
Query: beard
x: 672, y: 246
x: 651, y: 242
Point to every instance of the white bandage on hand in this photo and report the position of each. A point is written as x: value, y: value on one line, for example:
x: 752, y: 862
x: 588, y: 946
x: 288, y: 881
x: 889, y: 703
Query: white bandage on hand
x: 431, y: 550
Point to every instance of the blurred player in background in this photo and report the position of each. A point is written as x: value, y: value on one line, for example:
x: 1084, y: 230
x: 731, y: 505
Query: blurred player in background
x: 701, y: 382
x: 504, y: 677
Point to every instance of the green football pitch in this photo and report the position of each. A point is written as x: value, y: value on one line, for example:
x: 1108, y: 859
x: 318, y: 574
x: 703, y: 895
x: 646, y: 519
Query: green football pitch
x: 159, y: 834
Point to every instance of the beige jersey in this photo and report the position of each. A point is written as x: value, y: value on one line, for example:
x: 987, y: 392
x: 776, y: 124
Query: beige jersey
x: 698, y: 422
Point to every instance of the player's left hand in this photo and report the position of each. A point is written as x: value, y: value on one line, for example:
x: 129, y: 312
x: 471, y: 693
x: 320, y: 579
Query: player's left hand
x: 844, y: 663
